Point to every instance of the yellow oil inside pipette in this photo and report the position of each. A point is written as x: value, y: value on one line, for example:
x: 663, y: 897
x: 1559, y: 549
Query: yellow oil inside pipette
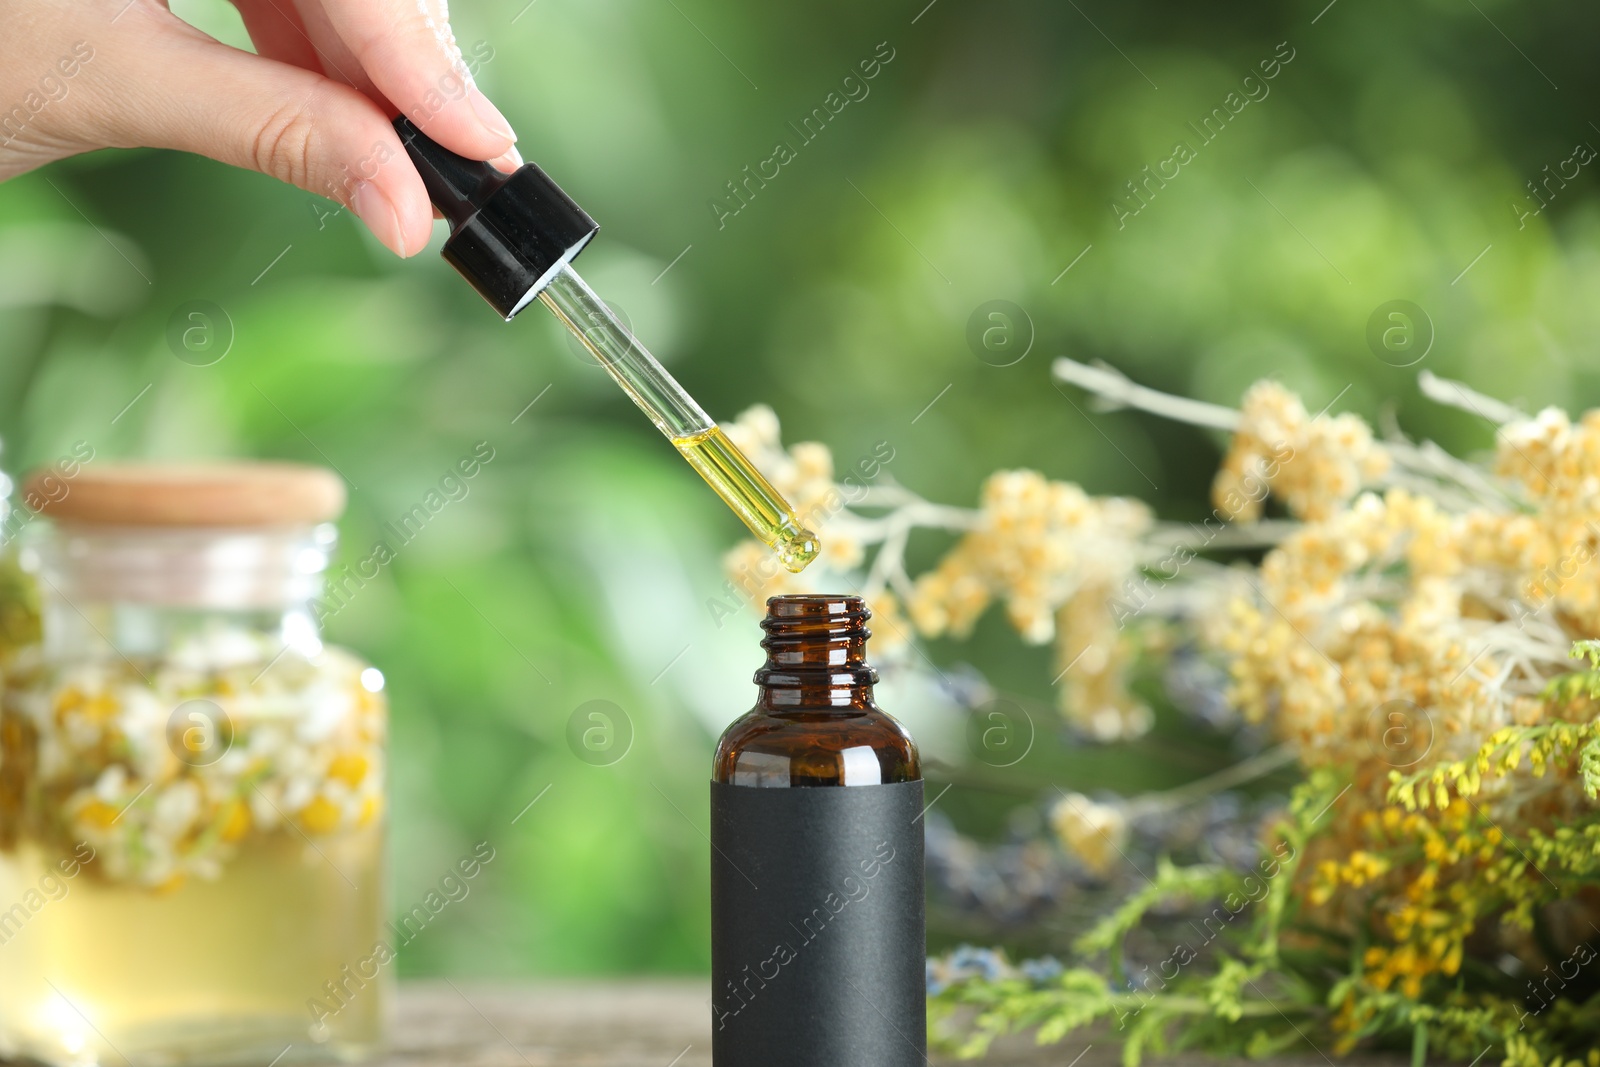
x: 750, y: 496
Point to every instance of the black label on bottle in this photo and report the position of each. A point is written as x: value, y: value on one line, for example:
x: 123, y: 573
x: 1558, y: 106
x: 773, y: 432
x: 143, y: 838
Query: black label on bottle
x: 817, y: 930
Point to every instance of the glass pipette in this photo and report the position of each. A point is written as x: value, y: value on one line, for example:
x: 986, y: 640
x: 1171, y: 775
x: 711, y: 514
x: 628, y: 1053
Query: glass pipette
x: 514, y: 238
x: 676, y: 415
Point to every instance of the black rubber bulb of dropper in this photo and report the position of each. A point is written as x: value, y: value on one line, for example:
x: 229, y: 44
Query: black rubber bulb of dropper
x: 509, y: 233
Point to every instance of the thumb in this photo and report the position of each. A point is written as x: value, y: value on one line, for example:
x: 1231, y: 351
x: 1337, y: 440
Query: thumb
x: 192, y: 93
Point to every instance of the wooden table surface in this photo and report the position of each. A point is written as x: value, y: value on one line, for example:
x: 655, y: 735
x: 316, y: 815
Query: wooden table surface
x: 644, y: 1023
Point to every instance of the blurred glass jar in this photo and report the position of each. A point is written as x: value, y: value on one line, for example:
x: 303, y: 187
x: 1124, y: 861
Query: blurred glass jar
x: 192, y: 785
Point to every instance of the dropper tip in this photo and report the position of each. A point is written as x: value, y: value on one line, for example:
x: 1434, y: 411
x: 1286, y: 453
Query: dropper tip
x: 797, y: 550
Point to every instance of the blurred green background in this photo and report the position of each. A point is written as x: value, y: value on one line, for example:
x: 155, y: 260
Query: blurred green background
x: 1389, y: 159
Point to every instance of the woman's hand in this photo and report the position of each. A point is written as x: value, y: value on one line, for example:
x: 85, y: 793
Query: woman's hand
x: 312, y: 108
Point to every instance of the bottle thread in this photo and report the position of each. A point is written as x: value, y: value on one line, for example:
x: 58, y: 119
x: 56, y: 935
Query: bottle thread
x: 816, y: 648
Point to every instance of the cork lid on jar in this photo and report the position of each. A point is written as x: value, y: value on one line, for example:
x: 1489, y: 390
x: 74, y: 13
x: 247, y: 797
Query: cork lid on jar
x: 220, y: 494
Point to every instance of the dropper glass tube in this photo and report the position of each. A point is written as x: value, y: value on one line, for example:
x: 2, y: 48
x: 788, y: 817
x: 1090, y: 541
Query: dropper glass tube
x: 676, y: 415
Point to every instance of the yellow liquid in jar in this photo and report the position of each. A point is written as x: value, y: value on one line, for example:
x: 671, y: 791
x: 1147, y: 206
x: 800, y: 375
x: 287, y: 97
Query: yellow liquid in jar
x: 212, y: 972
x: 750, y: 495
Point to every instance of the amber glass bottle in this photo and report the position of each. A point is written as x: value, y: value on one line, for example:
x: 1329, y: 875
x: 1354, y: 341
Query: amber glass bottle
x: 817, y: 881
x: 815, y: 721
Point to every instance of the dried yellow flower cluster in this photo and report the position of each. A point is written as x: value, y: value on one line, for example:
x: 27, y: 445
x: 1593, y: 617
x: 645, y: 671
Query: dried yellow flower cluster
x: 1093, y: 832
x: 1558, y: 467
x: 1394, y: 614
x: 1359, y: 644
x: 1315, y: 465
x: 1037, y: 545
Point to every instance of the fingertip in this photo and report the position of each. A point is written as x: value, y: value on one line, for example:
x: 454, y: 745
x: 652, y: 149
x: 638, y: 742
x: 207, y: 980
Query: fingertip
x: 460, y: 132
x: 395, y: 207
x: 508, y: 163
x: 416, y: 223
x: 373, y: 207
x: 489, y: 116
x: 468, y: 125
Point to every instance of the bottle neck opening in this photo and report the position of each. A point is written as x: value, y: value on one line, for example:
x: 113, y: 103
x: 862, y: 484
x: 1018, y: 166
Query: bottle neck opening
x: 816, y: 649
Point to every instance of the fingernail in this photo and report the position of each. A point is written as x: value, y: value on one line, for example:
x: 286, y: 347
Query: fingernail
x: 376, y: 210
x: 489, y: 115
x: 507, y: 162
